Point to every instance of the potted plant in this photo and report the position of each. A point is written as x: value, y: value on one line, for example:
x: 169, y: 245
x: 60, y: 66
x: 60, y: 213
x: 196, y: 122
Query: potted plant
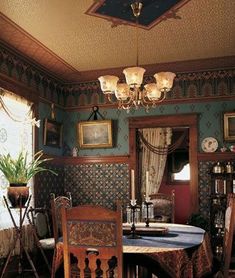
x: 18, y: 172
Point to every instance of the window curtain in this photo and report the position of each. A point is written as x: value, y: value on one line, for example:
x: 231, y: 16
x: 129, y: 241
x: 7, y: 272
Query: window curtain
x: 16, y: 134
x: 154, y: 161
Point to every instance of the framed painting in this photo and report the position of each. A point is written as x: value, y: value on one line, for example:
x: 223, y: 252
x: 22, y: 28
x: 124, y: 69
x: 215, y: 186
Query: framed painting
x: 95, y: 134
x: 52, y: 133
x: 229, y: 126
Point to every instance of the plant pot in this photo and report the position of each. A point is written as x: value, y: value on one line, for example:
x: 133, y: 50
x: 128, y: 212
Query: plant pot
x: 18, y: 195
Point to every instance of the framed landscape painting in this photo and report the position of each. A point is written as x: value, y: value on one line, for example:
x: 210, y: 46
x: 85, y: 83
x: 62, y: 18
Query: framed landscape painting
x: 52, y: 133
x: 229, y: 126
x: 95, y: 134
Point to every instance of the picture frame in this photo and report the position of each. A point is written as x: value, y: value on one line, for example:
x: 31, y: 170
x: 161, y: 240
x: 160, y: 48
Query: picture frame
x: 95, y: 134
x: 52, y: 133
x: 229, y: 126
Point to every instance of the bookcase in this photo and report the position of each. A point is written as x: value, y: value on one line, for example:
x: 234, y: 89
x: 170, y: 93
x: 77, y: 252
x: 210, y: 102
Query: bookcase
x: 222, y: 182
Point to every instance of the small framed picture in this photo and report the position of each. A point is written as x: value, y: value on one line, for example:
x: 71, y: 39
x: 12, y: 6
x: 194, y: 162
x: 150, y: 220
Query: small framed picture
x: 52, y: 133
x: 229, y: 126
x: 95, y: 134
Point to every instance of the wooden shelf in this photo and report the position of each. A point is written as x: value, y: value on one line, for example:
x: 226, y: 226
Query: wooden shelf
x: 216, y: 156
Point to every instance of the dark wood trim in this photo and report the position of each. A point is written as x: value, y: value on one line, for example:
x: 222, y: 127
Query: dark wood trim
x: 184, y: 120
x: 18, y: 88
x: 25, y: 91
x: 69, y: 160
x: 96, y: 159
x: 203, y: 99
x: 217, y: 156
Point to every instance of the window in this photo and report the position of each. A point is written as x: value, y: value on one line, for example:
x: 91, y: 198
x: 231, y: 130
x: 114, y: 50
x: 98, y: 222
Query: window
x: 178, y: 160
x: 183, y: 175
x: 16, y: 134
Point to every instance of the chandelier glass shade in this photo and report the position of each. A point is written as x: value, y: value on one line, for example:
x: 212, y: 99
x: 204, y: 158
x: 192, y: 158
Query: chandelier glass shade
x: 133, y: 93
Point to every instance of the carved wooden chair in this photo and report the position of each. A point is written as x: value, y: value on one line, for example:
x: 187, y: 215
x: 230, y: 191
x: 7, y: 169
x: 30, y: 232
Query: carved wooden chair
x: 56, y: 204
x: 229, y: 234
x: 39, y: 219
x: 92, y: 242
x: 164, y: 207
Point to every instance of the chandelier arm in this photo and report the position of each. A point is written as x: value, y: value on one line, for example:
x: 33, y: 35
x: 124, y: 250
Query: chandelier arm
x: 121, y: 103
x: 110, y: 99
x: 126, y: 104
x: 146, y: 100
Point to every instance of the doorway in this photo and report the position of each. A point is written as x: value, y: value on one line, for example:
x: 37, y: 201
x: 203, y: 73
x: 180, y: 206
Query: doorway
x: 182, y: 120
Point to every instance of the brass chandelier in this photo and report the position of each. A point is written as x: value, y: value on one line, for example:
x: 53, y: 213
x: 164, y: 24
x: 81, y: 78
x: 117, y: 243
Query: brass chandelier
x: 133, y: 94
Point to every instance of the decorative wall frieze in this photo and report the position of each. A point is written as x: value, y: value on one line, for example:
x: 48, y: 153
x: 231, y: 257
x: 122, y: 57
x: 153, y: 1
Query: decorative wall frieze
x: 32, y: 76
x: 188, y: 86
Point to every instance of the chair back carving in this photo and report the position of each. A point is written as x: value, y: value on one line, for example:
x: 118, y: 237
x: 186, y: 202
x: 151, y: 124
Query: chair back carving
x: 92, y: 242
x: 229, y: 233
x: 56, y: 204
x: 39, y: 218
x: 164, y: 206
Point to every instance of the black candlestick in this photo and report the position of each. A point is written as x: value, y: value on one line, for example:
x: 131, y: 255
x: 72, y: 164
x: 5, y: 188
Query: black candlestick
x: 147, y: 204
x: 133, y: 208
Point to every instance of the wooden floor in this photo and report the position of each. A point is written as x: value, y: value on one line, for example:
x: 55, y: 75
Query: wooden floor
x: 43, y: 271
x: 13, y: 266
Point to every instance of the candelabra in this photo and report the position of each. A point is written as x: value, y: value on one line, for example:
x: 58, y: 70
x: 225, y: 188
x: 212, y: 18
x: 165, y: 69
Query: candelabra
x: 147, y: 210
x: 133, y: 216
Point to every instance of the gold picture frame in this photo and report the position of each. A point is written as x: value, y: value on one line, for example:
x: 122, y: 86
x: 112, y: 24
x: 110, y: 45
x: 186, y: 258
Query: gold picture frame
x: 95, y: 134
x: 52, y: 133
x: 229, y: 126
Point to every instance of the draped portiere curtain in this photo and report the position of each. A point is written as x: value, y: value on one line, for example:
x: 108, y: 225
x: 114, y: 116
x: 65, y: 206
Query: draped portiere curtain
x: 154, y: 142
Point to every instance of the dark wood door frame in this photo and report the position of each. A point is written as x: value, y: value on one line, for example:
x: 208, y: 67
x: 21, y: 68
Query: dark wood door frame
x: 179, y: 120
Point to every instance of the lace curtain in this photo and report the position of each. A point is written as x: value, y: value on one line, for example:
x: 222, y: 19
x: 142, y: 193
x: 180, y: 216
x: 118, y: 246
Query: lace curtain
x: 16, y: 134
x: 154, y: 161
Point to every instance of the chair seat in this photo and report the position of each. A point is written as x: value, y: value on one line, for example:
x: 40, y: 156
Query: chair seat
x: 47, y: 243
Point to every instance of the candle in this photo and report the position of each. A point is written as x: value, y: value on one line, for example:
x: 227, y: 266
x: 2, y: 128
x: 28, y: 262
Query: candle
x: 147, y: 184
x: 132, y: 184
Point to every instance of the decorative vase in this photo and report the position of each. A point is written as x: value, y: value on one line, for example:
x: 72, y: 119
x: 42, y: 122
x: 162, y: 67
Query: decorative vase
x: 18, y: 194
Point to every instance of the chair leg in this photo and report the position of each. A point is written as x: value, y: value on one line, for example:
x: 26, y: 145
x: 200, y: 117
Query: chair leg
x: 53, y: 265
x: 41, y: 249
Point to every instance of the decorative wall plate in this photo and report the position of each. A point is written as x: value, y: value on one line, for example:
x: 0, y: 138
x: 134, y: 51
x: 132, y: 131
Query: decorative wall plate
x: 209, y: 144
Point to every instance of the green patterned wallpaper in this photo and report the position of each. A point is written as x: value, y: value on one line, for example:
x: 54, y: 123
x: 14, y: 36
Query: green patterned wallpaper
x: 210, y: 124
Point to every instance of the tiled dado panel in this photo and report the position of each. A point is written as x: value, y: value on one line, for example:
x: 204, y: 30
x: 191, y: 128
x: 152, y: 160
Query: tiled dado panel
x: 47, y: 183
x: 95, y: 183
x: 204, y: 187
x: 98, y: 183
